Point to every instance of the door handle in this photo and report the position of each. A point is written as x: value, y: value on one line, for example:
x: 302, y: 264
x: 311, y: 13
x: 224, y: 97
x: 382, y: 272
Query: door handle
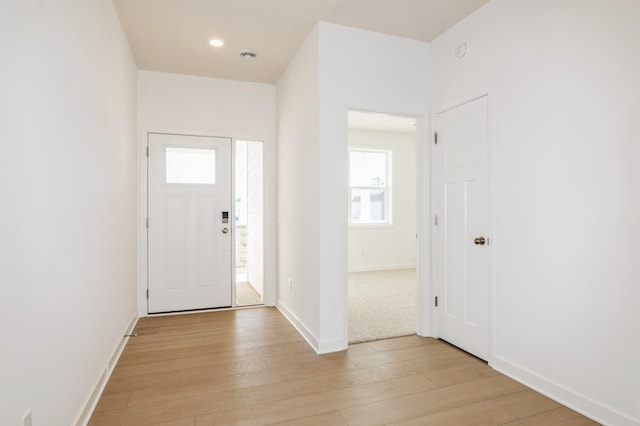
x: 225, y: 230
x: 480, y: 241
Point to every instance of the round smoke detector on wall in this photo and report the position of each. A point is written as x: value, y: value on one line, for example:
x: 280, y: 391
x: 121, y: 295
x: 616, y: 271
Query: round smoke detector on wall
x: 461, y: 50
x: 248, y: 55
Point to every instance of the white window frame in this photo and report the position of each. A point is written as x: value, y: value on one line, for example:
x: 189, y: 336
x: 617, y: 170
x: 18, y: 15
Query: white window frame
x: 388, y: 189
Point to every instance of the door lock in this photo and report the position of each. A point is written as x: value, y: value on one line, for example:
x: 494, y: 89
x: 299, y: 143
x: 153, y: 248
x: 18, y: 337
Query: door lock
x: 480, y: 241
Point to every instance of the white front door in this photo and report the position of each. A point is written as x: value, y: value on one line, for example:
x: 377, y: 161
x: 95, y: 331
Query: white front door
x: 461, y: 235
x: 189, y: 230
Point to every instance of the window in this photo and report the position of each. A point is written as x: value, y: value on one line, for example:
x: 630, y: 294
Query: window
x: 370, y: 186
x: 190, y: 165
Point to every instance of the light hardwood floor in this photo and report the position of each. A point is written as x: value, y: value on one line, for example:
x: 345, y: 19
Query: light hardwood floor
x: 250, y: 367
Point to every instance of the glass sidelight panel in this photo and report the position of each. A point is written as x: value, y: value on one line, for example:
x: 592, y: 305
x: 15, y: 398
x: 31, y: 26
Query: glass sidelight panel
x: 249, y: 222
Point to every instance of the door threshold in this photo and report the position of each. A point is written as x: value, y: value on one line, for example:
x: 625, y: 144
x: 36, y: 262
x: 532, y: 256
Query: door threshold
x: 196, y: 311
x: 249, y: 305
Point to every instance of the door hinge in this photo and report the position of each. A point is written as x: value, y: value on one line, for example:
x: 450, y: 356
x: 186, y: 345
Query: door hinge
x: 147, y: 151
x: 147, y: 223
x: 147, y: 294
x: 435, y: 137
x: 435, y: 219
x: 436, y: 301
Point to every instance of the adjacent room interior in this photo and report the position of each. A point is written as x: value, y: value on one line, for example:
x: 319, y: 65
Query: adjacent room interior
x: 382, y: 226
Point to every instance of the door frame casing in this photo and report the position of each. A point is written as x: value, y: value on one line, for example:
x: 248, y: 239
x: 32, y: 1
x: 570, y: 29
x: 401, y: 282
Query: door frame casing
x: 423, y: 230
x: 268, y: 296
x: 491, y: 186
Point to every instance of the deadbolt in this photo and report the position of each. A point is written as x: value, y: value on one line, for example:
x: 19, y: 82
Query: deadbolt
x: 226, y: 230
x: 480, y: 241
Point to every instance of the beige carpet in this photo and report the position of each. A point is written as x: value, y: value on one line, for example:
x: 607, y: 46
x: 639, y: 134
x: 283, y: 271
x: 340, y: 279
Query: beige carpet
x: 381, y: 304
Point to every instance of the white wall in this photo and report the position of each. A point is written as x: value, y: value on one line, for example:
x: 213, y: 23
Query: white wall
x: 174, y: 103
x: 298, y: 183
x: 371, y: 72
x: 68, y: 190
x: 380, y: 247
x: 563, y: 79
x: 337, y: 68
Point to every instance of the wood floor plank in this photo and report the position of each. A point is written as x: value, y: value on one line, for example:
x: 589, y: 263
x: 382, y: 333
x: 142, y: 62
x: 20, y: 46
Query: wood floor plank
x: 245, y: 364
x: 526, y: 404
x: 482, y: 413
x: 194, y: 406
x: 161, y: 395
x: 465, y: 372
x: 250, y: 343
x: 327, y: 419
x: 559, y: 416
x: 192, y: 385
x: 428, y: 402
x: 251, y: 367
x: 319, y: 403
x: 211, y: 360
x: 188, y: 421
x: 354, y: 350
x: 143, y: 381
x: 389, y: 356
x: 314, y: 367
x: 280, y: 349
x: 130, y: 357
x: 110, y: 401
x: 401, y: 342
x: 357, y: 376
x: 345, y: 379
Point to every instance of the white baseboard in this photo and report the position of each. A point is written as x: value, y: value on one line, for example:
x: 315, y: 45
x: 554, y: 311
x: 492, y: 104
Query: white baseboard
x: 311, y: 339
x: 426, y: 331
x: 577, y: 402
x: 91, y: 402
x: 318, y: 345
x: 373, y: 268
x: 331, y: 345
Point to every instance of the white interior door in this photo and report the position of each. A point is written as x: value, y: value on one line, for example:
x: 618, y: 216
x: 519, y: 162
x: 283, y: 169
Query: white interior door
x: 461, y: 234
x: 189, y: 231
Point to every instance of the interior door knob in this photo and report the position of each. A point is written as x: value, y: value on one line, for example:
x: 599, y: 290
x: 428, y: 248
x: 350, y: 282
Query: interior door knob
x: 480, y: 241
x: 225, y: 230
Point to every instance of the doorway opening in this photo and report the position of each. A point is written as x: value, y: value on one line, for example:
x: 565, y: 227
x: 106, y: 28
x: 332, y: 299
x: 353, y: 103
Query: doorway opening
x: 382, y: 223
x: 249, y: 223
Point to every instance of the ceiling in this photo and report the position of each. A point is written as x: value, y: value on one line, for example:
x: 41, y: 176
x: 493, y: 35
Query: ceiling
x: 173, y: 35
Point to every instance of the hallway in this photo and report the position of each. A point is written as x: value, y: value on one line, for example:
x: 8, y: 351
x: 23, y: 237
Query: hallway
x: 251, y: 367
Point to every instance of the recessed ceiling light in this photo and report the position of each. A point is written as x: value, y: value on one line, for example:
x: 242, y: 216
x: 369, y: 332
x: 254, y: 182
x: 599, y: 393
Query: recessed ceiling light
x: 216, y: 43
